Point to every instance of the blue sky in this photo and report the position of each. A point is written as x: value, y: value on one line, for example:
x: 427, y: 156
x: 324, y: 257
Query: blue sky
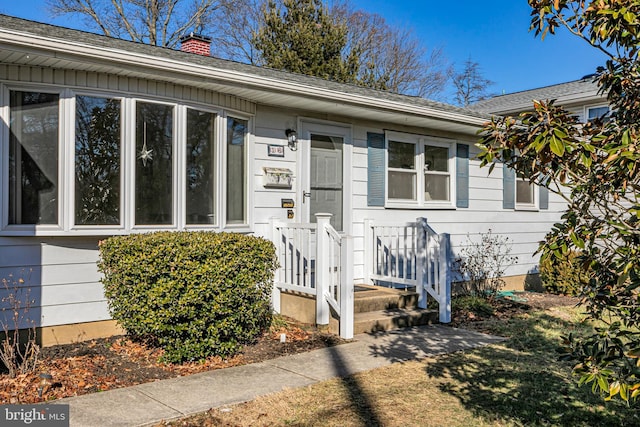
x: 493, y: 33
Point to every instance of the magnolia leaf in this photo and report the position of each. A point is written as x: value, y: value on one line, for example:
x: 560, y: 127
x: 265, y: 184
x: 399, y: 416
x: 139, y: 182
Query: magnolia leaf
x: 556, y: 145
x: 635, y: 353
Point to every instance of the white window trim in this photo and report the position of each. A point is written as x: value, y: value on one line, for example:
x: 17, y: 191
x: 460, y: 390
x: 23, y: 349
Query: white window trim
x: 5, y: 112
x: 133, y: 163
x: 245, y: 227
x: 592, y: 107
x: 70, y: 213
x: 66, y: 166
x: 420, y: 141
x: 217, y: 164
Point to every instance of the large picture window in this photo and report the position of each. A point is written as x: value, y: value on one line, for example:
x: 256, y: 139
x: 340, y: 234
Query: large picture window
x: 154, y: 164
x: 236, y: 187
x: 200, y: 185
x: 419, y: 170
x: 33, y: 158
x: 103, y: 163
x: 97, y: 161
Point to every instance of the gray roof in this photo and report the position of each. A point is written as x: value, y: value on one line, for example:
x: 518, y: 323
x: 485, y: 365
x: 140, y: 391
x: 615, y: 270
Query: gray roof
x: 581, y: 90
x: 55, y: 32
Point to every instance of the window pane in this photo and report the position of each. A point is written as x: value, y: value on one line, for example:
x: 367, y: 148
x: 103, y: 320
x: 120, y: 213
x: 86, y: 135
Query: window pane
x: 200, y: 162
x: 401, y: 155
x: 436, y: 187
x: 154, y: 162
x: 236, y: 191
x: 524, y: 192
x: 402, y: 185
x: 97, y: 161
x: 33, y: 158
x: 597, y: 112
x: 436, y: 159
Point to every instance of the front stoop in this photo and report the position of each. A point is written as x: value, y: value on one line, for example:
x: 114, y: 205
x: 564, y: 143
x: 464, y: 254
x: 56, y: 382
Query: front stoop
x: 382, y: 309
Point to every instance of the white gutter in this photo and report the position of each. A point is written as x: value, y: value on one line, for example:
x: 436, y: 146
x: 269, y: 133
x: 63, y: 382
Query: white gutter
x: 59, y: 49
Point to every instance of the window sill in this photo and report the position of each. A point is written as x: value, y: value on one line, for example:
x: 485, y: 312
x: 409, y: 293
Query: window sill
x: 105, y: 232
x: 527, y: 208
x: 422, y: 206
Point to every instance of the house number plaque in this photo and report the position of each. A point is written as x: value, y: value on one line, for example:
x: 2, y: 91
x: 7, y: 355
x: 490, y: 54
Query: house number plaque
x: 287, y: 203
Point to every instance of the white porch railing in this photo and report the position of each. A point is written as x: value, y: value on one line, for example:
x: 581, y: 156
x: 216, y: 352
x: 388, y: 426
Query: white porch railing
x: 410, y: 255
x: 316, y: 260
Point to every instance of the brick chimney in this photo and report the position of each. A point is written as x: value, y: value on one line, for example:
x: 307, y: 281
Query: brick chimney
x: 196, y: 43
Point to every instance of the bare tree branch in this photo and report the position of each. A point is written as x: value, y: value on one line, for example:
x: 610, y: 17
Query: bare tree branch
x: 156, y: 22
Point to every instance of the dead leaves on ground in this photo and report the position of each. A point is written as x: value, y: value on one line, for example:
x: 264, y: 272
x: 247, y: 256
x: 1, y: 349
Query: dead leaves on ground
x: 102, y: 365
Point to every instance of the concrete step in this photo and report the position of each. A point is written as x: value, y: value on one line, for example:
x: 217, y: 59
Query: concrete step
x: 385, y: 320
x: 372, y: 298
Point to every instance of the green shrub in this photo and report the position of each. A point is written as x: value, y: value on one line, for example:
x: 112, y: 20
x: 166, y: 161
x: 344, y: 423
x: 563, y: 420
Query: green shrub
x: 195, y: 294
x: 472, y: 304
x: 563, y: 276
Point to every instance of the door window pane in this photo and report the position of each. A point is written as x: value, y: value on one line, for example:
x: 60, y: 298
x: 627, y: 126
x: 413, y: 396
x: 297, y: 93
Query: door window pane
x: 200, y: 167
x: 97, y: 161
x: 326, y: 184
x: 236, y: 189
x: 154, y: 163
x: 33, y: 158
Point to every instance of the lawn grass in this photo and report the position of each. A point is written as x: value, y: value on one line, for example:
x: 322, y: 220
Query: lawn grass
x: 519, y: 382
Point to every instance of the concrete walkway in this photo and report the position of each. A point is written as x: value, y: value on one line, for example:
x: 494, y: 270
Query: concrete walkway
x: 148, y: 404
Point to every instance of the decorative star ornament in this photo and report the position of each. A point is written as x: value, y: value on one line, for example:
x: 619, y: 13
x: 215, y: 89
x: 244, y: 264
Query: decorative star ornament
x: 145, y: 154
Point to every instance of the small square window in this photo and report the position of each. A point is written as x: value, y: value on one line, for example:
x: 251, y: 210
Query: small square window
x: 525, y: 196
x: 597, y: 113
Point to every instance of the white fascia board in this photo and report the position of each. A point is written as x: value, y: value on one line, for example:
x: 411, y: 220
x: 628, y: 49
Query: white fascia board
x: 572, y: 99
x: 63, y: 49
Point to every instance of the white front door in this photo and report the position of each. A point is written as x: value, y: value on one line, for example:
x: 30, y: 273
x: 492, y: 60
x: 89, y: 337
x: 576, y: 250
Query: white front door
x: 324, y: 191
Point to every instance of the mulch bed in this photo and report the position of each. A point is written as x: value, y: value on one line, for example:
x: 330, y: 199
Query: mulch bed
x: 105, y: 364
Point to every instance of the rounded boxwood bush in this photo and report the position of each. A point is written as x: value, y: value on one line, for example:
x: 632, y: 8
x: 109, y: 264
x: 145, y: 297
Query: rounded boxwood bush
x: 195, y: 294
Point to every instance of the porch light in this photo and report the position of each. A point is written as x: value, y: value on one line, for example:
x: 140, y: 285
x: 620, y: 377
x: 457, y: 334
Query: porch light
x: 292, y: 139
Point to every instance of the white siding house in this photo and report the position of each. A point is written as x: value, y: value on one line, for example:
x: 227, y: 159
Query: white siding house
x: 103, y: 137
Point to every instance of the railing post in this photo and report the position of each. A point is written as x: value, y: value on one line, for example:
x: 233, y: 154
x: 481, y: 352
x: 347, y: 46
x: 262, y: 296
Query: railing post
x: 422, y: 257
x: 444, y: 281
x: 322, y: 272
x: 368, y: 251
x: 275, y: 239
x: 346, y: 288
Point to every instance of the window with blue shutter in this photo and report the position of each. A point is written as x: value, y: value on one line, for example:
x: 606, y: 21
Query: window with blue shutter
x: 375, y: 169
x: 462, y: 175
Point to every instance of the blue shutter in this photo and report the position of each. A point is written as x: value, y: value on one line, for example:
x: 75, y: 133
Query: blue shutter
x: 544, y: 198
x: 375, y: 169
x: 462, y: 175
x: 508, y: 188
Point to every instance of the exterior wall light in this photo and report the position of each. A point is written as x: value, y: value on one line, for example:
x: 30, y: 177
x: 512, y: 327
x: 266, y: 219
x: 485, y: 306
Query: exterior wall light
x: 292, y: 139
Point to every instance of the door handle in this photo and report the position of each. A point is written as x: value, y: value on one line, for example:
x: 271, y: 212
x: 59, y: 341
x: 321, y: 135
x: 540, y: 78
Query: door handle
x: 305, y: 195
